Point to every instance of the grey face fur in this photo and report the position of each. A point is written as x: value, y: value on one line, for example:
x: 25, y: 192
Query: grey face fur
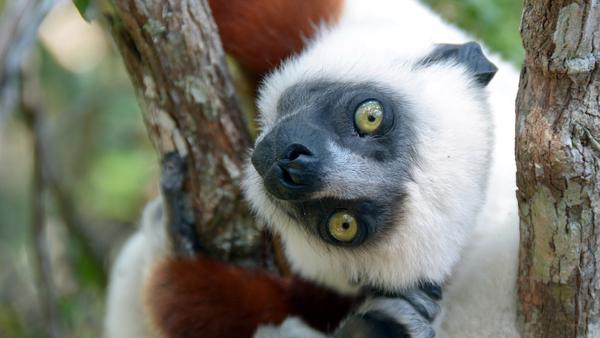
x: 339, y: 169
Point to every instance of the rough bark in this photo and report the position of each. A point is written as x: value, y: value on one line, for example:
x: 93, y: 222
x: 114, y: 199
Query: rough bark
x: 558, y: 169
x: 175, y: 60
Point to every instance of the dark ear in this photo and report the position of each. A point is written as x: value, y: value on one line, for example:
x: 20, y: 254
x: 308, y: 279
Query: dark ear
x: 469, y: 54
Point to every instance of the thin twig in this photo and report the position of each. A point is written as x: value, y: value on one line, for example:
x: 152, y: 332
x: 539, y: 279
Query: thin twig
x: 39, y: 230
x: 18, y: 33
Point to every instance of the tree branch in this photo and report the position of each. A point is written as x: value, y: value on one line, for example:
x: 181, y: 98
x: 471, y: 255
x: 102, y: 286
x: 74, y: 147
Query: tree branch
x: 18, y: 32
x: 175, y: 60
x: 558, y: 169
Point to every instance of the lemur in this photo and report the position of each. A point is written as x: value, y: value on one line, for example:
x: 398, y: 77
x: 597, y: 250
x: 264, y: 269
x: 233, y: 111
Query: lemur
x: 384, y: 161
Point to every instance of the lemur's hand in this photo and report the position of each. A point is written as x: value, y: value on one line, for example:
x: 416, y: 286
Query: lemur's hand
x: 407, y: 315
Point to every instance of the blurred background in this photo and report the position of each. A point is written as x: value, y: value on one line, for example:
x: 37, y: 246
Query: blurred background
x: 93, y: 153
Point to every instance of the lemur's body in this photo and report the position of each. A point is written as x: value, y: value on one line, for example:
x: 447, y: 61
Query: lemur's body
x: 417, y: 187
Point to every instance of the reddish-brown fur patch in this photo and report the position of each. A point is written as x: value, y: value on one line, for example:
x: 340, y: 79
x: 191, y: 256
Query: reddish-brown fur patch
x: 261, y: 33
x: 207, y: 298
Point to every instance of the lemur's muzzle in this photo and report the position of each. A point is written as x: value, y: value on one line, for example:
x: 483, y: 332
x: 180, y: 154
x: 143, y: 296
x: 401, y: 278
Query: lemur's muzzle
x: 289, y: 159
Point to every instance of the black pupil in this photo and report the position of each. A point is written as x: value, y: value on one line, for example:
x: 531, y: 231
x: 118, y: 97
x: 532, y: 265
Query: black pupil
x: 371, y: 118
x: 345, y: 225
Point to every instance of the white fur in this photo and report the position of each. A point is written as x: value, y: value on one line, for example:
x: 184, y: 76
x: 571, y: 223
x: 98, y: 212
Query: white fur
x: 292, y: 327
x: 379, y: 41
x: 125, y: 314
x: 480, y: 300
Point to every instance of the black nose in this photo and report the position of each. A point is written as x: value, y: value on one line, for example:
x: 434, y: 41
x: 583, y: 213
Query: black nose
x: 296, y: 165
x: 293, y: 174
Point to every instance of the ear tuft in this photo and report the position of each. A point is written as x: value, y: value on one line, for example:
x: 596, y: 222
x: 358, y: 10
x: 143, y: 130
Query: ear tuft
x: 469, y: 54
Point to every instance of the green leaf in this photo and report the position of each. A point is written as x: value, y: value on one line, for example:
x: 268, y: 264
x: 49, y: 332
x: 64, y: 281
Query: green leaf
x: 82, y: 7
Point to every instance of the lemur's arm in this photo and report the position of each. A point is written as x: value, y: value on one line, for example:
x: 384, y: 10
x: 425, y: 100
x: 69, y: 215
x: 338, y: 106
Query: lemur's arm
x: 155, y: 292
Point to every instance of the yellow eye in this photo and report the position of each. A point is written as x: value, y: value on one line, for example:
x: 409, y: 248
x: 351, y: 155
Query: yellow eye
x: 368, y: 116
x: 342, y: 226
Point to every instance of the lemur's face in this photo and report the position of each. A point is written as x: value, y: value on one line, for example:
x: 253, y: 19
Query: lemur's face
x: 337, y: 159
x: 367, y: 177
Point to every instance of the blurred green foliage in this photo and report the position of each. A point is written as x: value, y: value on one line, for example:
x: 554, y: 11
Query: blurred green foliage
x: 101, y: 153
x: 494, y: 21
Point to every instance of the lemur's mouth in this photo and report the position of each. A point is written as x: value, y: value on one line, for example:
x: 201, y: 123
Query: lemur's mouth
x: 289, y: 176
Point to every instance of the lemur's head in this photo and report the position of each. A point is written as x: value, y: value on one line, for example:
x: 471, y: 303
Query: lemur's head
x: 373, y: 168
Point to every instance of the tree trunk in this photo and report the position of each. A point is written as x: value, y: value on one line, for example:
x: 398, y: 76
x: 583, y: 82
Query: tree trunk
x: 175, y: 60
x: 558, y: 169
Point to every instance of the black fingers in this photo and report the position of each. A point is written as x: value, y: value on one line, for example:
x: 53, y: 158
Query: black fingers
x: 373, y: 324
x: 423, y: 304
x: 408, y: 313
x: 433, y: 290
